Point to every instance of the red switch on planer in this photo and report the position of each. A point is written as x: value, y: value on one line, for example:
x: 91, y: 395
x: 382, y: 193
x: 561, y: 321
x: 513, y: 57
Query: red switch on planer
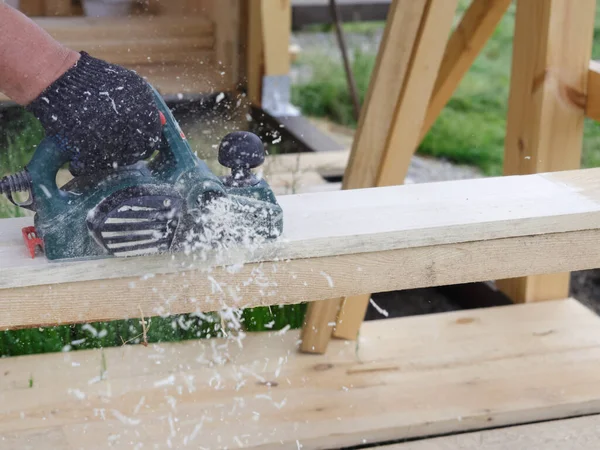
x: 32, y: 241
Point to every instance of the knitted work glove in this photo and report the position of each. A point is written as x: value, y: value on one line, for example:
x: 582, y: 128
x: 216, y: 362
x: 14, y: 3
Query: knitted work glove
x: 104, y: 115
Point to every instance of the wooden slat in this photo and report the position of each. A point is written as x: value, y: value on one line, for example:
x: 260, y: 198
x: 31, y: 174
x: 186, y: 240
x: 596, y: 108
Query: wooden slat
x: 467, y: 40
x: 401, y: 139
x: 149, y: 51
x: 592, y: 106
x: 256, y: 392
x: 438, y: 233
x: 579, y: 433
x: 546, y: 111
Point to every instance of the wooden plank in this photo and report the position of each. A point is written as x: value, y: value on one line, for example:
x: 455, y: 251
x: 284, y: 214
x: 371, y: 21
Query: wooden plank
x: 439, y: 233
x: 401, y: 138
x: 592, y: 105
x: 546, y: 110
x: 579, y: 433
x: 219, y: 394
x: 193, y: 50
x: 276, y: 21
x: 467, y: 40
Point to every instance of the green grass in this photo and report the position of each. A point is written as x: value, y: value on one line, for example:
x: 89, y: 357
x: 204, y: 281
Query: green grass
x: 471, y: 128
x: 18, y: 138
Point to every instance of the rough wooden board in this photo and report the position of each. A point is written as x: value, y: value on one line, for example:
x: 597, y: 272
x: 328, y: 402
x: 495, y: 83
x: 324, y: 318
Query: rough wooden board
x: 182, y: 51
x: 262, y: 394
x: 579, y: 433
x: 337, y: 223
x: 296, y: 280
x: 546, y: 107
x: 467, y: 40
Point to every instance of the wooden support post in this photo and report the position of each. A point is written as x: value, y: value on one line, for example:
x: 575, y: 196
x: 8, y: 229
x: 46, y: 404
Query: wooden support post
x: 592, y: 106
x: 388, y: 132
x: 276, y: 21
x: 546, y: 110
x: 58, y: 8
x: 227, y: 17
x: 467, y: 40
x: 269, y: 29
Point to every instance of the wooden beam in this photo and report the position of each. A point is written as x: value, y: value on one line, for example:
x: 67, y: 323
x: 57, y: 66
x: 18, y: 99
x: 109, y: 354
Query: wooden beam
x: 227, y: 49
x: 276, y: 20
x: 439, y: 233
x: 546, y: 110
x: 467, y: 40
x: 255, y: 66
x: 392, y: 119
x: 224, y: 393
x: 58, y: 7
x: 592, y: 105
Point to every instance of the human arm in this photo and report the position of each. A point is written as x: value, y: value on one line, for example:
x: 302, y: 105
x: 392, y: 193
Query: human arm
x: 102, y: 114
x: 30, y: 60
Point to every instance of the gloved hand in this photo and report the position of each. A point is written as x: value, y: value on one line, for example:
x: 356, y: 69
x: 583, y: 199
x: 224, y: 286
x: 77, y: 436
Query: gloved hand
x: 102, y: 114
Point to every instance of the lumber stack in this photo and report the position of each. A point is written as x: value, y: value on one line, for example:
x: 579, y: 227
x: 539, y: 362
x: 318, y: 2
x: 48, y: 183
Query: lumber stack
x: 480, y: 369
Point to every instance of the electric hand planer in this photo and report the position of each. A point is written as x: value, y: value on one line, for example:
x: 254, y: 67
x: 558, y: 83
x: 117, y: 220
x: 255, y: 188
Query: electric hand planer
x: 171, y: 202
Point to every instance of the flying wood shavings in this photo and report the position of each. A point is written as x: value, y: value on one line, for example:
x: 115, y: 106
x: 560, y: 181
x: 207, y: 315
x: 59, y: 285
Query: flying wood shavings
x: 328, y: 278
x: 124, y: 419
x: 378, y: 308
x: 166, y: 382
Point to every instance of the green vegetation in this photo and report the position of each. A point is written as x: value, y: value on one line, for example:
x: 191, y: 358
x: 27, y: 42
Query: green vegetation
x: 471, y: 128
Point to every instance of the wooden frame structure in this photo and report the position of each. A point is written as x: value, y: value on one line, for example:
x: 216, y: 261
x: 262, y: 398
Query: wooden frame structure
x: 547, y: 106
x: 409, y: 378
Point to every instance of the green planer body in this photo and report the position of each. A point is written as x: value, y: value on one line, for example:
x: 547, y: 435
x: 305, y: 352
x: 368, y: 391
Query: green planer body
x: 172, y: 202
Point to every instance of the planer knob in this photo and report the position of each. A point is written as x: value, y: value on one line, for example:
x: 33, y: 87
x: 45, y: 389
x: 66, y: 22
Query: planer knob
x: 241, y: 151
